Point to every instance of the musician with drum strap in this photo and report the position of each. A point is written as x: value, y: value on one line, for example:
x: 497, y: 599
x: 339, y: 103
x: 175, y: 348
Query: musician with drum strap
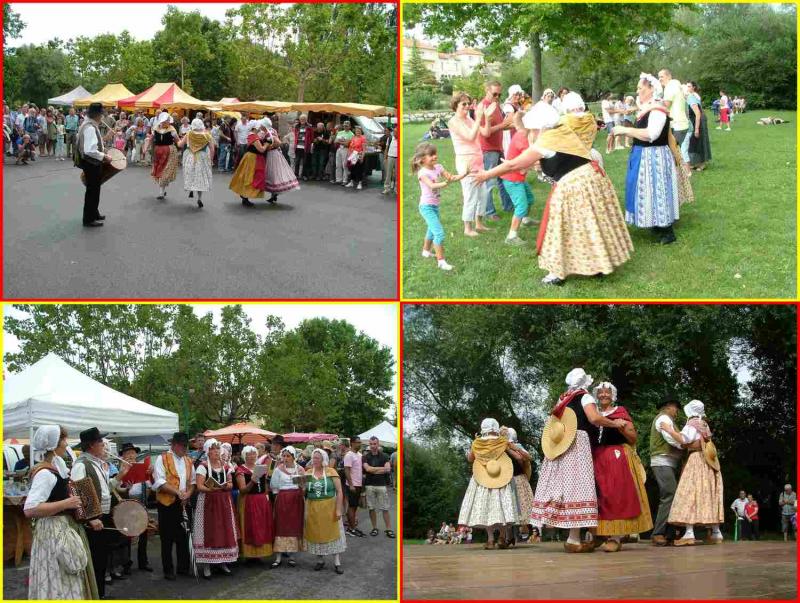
x: 91, y: 464
x: 133, y: 491
x: 90, y: 156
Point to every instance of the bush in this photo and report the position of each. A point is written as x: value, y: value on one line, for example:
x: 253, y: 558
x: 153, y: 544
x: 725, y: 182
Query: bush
x: 419, y: 99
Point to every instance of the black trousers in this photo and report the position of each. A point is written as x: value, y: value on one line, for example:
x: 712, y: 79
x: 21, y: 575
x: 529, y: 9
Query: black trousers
x: 171, y: 532
x: 141, y: 551
x: 357, y: 173
x: 91, y: 199
x: 750, y: 530
x: 100, y: 542
x: 300, y: 159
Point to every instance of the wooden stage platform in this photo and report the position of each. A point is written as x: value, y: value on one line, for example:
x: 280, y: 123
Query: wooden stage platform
x: 732, y: 570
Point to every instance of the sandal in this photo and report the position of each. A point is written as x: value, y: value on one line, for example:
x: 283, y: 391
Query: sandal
x: 389, y: 533
x: 374, y: 532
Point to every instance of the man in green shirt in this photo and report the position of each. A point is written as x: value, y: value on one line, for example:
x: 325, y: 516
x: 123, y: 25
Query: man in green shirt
x: 340, y: 141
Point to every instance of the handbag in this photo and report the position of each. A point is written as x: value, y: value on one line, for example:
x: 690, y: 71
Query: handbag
x: 70, y: 552
x: 352, y: 159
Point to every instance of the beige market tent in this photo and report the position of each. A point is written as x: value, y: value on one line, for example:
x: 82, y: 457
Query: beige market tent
x: 259, y: 107
x: 347, y: 108
x: 109, y: 96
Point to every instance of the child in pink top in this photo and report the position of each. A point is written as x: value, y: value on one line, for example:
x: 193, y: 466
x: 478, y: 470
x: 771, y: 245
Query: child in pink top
x: 428, y: 173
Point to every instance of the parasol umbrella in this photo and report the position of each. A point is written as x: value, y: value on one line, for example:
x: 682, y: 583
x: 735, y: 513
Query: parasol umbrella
x: 240, y: 433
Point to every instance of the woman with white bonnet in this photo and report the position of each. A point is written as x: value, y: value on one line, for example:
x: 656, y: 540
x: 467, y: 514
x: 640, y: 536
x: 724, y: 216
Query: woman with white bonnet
x: 489, y: 501
x: 197, y: 160
x: 324, y: 531
x: 582, y: 230
x: 523, y: 494
x: 287, y: 486
x: 657, y: 181
x: 511, y: 106
x: 280, y: 177
x: 698, y: 498
x: 622, y: 503
x: 165, y: 154
x: 250, y: 178
x: 61, y: 565
x: 215, y: 534
x: 256, y: 528
x: 565, y: 493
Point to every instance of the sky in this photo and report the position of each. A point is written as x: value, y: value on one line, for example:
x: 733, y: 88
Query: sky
x: 378, y: 320
x: 45, y: 21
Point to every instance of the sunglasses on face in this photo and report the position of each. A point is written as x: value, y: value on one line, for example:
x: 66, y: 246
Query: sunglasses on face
x: 496, y: 94
x: 464, y: 104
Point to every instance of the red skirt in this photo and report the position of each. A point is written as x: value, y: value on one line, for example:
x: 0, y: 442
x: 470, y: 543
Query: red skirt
x: 724, y: 116
x: 289, y: 514
x: 260, y: 173
x: 259, y: 528
x: 616, y: 491
x: 215, y: 537
x: 160, y: 159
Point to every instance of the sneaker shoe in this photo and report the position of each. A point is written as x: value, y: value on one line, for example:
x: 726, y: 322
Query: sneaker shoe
x: 444, y: 265
x: 427, y: 254
x: 515, y: 242
x: 349, y: 184
x: 359, y: 187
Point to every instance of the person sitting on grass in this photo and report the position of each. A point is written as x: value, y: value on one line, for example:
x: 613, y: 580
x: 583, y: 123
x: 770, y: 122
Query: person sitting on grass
x: 27, y: 151
x: 424, y: 164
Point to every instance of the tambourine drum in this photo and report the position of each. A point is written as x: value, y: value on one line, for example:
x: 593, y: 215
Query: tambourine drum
x: 118, y: 163
x: 130, y: 517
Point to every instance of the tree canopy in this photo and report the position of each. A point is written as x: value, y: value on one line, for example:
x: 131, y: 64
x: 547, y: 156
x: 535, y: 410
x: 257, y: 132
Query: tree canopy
x: 303, y: 52
x: 322, y: 375
x: 464, y: 363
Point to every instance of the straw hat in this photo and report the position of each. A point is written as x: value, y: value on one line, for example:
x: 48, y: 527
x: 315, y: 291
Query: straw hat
x: 559, y: 434
x: 495, y: 474
x: 710, y: 454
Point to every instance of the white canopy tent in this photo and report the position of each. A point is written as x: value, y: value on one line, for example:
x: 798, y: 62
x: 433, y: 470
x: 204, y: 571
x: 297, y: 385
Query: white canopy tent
x: 52, y: 392
x: 385, y: 432
x: 70, y: 97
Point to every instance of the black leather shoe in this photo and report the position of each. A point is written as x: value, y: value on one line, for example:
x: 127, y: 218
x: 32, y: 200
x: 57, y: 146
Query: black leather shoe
x: 319, y: 566
x: 199, y: 204
x: 225, y: 570
x: 191, y: 194
x: 126, y: 571
x: 339, y: 569
x: 100, y: 218
x: 117, y: 576
x: 94, y: 224
x: 247, y: 202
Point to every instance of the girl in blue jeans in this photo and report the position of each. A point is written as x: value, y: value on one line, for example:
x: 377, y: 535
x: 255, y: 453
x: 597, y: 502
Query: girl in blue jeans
x: 428, y: 172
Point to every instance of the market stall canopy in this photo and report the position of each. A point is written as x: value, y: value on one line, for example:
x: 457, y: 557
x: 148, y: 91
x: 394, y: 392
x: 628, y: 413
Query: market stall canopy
x: 109, y: 96
x: 50, y: 392
x: 297, y: 438
x: 385, y: 432
x: 164, y: 95
x: 240, y: 433
x: 259, y: 107
x: 227, y: 100
x: 347, y: 108
x: 70, y: 97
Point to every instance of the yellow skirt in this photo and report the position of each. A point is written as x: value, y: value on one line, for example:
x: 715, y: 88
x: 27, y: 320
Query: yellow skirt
x: 637, y: 525
x: 321, y: 523
x: 242, y: 180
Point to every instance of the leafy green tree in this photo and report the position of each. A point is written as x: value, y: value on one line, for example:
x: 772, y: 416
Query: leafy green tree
x: 36, y: 73
x: 12, y: 24
x: 182, y: 47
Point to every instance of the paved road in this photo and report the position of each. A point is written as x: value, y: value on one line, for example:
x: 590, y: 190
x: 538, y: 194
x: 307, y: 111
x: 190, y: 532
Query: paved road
x: 321, y: 241
x: 370, y: 572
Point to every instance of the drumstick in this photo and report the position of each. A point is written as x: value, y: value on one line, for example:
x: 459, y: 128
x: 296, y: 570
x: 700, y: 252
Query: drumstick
x: 123, y: 530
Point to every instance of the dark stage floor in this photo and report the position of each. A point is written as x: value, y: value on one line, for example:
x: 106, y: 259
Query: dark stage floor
x: 733, y: 570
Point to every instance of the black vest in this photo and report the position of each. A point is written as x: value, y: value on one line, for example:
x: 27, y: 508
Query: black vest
x: 59, y: 491
x: 561, y: 164
x: 583, y: 421
x: 161, y: 139
x: 610, y: 436
x: 663, y: 138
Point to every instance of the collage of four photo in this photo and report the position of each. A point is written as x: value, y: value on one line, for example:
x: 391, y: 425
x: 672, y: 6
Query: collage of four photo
x: 399, y: 301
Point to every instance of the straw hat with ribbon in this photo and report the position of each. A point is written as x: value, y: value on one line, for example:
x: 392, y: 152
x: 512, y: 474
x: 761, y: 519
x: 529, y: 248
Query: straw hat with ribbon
x: 559, y: 433
x: 695, y: 411
x: 492, y: 467
x: 710, y: 454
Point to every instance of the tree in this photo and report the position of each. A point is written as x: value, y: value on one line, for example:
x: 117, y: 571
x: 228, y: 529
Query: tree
x: 12, y: 24
x: 597, y: 32
x: 36, y: 73
x: 183, y: 48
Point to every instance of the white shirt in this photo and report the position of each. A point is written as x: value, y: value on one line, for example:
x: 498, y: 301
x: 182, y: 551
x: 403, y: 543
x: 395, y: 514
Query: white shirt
x: 690, y: 434
x: 91, y: 145
x: 665, y: 460
x: 557, y: 104
x: 619, y: 106
x: 43, y: 483
x: 655, y: 124
x: 606, y: 105
x: 738, y: 506
x: 242, y: 130
x: 393, y: 147
x: 281, y: 481
x: 226, y: 468
x: 180, y: 467
x: 79, y: 472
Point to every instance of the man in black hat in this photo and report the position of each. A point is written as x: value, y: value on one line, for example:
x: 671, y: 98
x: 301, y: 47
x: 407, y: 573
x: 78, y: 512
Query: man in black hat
x: 665, y: 458
x: 137, y: 492
x: 90, y: 156
x: 91, y: 463
x: 173, y: 481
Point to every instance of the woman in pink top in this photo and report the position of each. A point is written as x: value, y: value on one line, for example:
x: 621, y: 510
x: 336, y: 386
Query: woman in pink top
x: 469, y: 158
x: 355, y: 150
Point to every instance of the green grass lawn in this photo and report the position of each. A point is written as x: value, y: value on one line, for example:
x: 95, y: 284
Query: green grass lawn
x: 737, y: 240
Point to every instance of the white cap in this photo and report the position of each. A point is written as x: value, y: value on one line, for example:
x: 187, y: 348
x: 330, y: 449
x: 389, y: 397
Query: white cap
x: 695, y: 408
x: 572, y: 101
x: 515, y: 89
x: 577, y: 377
x: 489, y: 426
x: 541, y: 117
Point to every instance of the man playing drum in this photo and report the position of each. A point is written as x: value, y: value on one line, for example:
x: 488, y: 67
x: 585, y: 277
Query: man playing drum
x: 90, y: 156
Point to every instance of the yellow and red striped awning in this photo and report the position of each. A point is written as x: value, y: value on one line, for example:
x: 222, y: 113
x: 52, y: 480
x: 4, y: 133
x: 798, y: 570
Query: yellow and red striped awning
x: 165, y: 95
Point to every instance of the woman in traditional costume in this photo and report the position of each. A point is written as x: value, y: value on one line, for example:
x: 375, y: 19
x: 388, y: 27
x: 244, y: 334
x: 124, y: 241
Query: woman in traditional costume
x: 61, y: 563
x: 249, y: 179
x: 197, y: 162
x: 521, y: 484
x: 565, y: 493
x: 657, y: 182
x: 165, y: 154
x: 489, y: 500
x: 215, y: 535
x: 324, y: 530
x: 698, y: 499
x: 280, y: 176
x: 256, y: 528
x: 288, y: 508
x: 699, y: 142
x: 622, y: 504
x: 582, y: 230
